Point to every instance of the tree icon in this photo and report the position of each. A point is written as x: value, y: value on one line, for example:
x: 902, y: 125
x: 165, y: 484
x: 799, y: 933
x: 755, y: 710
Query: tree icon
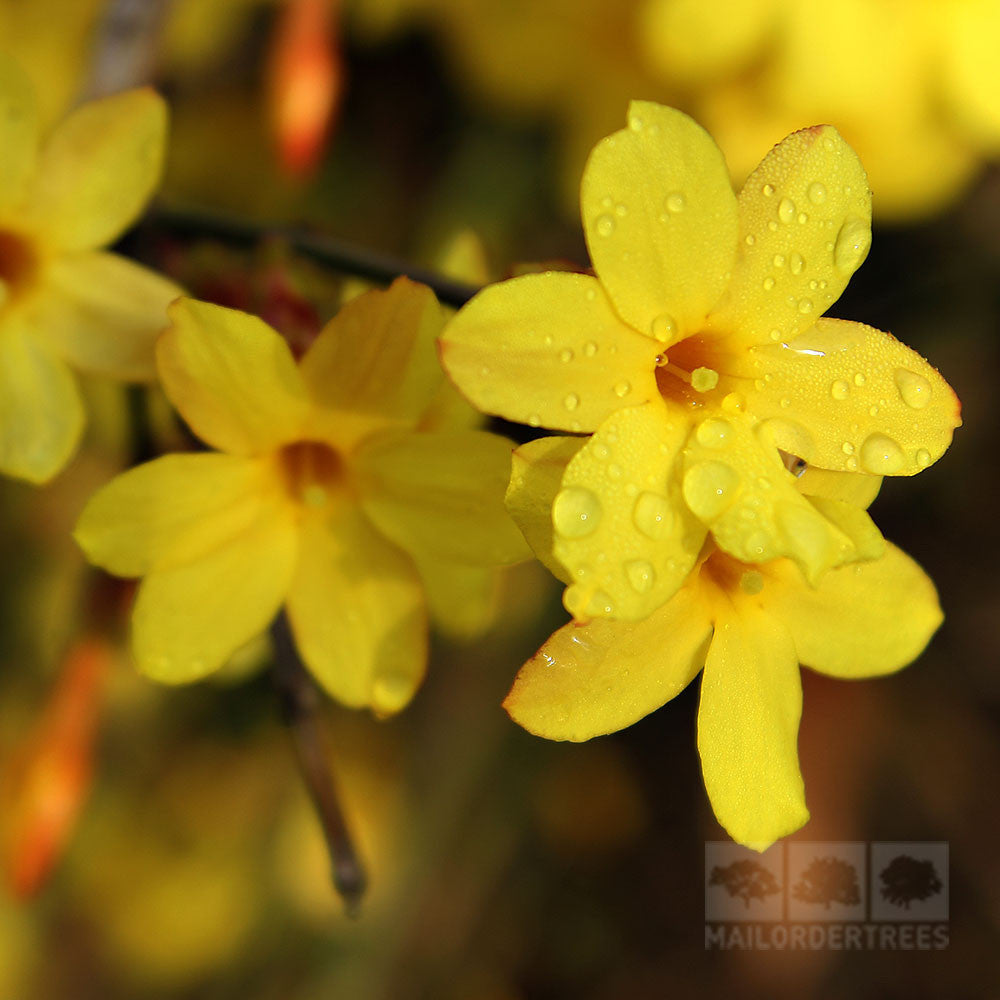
x: 905, y: 879
x: 745, y: 878
x: 828, y: 880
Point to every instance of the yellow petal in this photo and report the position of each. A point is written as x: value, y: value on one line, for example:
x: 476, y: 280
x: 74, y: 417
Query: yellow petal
x: 861, y: 620
x: 98, y: 169
x: 748, y: 722
x: 357, y: 613
x: 18, y: 132
x: 231, y: 377
x: 103, y: 313
x: 548, y: 349
x: 461, y: 599
x: 805, y: 228
x: 41, y: 416
x: 190, y: 619
x: 661, y: 220
x: 848, y: 397
x: 537, y: 469
x: 621, y: 528
x: 855, y: 488
x: 442, y: 494
x: 855, y: 523
x: 970, y: 69
x: 588, y: 680
x: 375, y: 362
x: 735, y: 482
x: 170, y: 511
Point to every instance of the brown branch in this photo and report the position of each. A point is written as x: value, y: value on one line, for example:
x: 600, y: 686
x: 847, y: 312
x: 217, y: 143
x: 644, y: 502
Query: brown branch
x: 300, y: 704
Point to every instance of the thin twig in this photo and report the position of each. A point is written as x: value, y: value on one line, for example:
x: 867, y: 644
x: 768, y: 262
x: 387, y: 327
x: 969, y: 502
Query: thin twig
x: 300, y: 702
x: 340, y: 255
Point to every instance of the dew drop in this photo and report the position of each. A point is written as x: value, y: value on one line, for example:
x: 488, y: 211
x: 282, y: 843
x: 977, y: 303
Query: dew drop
x: 775, y: 335
x: 566, y: 355
x: 881, y: 455
x: 839, y: 389
x: 803, y: 218
x: 767, y: 190
x: 847, y: 448
x: 750, y: 239
x: 714, y: 433
x: 710, y: 488
x: 768, y: 283
x: 653, y: 516
x: 621, y: 211
x: 796, y: 263
x: 615, y: 471
x: 733, y: 403
x: 641, y: 575
x: 851, y: 464
x: 675, y: 202
x: 534, y: 419
x: 853, y: 243
x: 805, y: 306
x: 590, y: 348
x: 635, y: 123
x: 859, y: 379
x: 622, y: 389
x: 576, y: 512
x: 786, y: 210
x: 663, y: 328
x: 605, y: 225
x: 817, y: 193
x: 923, y: 458
x: 914, y: 389
x: 572, y: 401
x: 779, y: 260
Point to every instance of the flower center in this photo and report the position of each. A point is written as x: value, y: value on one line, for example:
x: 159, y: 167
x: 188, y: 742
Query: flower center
x: 18, y: 266
x: 312, y: 472
x: 689, y: 372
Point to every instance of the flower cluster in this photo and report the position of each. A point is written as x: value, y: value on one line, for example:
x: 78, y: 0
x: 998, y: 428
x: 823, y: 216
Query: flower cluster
x: 699, y: 365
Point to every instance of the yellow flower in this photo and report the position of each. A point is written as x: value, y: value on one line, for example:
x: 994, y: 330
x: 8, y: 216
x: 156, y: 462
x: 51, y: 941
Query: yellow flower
x: 749, y: 625
x: 697, y: 361
x: 343, y: 487
x: 63, y: 302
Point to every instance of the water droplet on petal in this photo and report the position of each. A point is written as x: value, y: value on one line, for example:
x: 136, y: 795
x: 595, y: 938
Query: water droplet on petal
x: 796, y: 263
x: 853, y: 243
x: 914, y: 389
x: 622, y: 389
x: 839, y: 389
x: 859, y: 379
x: 641, y: 575
x: 768, y: 283
x: 534, y: 419
x: 786, y: 210
x: 590, y: 348
x: 817, y: 193
x: 605, y: 225
x: 566, y: 355
x: 572, y: 401
x: 576, y: 512
x: 710, y: 488
x: 733, y: 403
x: 675, y: 202
x: 663, y: 328
x: 653, y: 516
x: 767, y: 190
x: 805, y: 306
x: 750, y: 239
x: 923, y: 458
x: 714, y: 433
x: 881, y: 455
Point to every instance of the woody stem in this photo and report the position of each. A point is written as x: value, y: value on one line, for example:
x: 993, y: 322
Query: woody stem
x: 300, y: 702
x: 339, y: 255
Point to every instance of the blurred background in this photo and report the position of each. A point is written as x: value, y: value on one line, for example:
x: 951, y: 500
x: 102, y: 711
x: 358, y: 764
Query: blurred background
x: 159, y: 843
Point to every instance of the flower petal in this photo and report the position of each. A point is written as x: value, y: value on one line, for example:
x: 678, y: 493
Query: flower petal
x: 19, y: 130
x: 548, y: 349
x: 461, y: 599
x: 103, y: 313
x: 861, y: 620
x: 231, y: 377
x: 856, y: 488
x: 170, y: 511
x: 189, y: 619
x: 847, y: 396
x: 98, y: 169
x: 375, y: 362
x: 855, y: 523
x: 442, y: 494
x: 661, y: 221
x: 357, y: 613
x: 805, y: 228
x: 737, y: 485
x: 41, y: 415
x: 589, y: 680
x: 748, y: 721
x: 621, y: 528
x: 536, y: 474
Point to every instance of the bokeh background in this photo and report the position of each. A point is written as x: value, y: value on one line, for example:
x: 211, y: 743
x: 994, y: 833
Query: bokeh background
x: 158, y: 842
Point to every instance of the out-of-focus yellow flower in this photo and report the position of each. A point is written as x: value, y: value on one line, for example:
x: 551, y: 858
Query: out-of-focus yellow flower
x: 749, y: 625
x: 696, y: 361
x: 341, y: 488
x: 63, y: 302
